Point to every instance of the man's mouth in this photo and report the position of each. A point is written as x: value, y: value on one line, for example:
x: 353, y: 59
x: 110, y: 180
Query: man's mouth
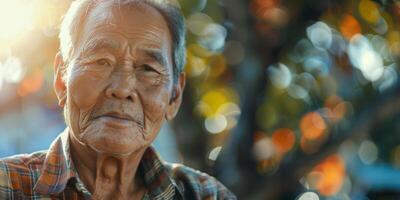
x: 117, y: 120
x: 118, y: 116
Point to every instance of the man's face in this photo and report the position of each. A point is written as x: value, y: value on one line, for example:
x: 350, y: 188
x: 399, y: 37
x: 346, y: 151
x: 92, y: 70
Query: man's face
x: 119, y: 80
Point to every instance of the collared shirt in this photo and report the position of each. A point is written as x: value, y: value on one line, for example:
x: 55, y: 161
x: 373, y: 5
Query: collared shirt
x: 51, y: 175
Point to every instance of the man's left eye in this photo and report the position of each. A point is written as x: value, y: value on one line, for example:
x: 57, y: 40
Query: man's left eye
x: 148, y: 68
x: 102, y: 62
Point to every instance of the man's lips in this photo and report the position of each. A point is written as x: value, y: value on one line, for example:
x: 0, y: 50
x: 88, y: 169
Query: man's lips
x: 118, y: 120
x: 119, y: 116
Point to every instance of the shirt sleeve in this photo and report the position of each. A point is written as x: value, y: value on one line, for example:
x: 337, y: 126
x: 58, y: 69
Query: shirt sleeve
x: 200, y: 186
x: 5, y: 182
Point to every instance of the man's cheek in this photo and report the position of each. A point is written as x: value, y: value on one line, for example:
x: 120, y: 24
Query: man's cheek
x: 155, y: 104
x: 85, y: 91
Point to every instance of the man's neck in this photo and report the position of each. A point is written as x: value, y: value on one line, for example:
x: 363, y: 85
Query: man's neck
x: 107, y: 175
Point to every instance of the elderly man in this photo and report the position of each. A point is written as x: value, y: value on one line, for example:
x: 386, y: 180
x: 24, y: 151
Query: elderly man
x: 118, y: 77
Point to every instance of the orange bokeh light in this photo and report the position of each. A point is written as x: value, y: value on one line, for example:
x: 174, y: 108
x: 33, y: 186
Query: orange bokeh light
x: 312, y: 126
x: 31, y: 84
x: 257, y: 5
x: 337, y: 108
x: 283, y: 139
x: 269, y: 11
x: 349, y: 26
x: 332, y: 173
x: 333, y: 101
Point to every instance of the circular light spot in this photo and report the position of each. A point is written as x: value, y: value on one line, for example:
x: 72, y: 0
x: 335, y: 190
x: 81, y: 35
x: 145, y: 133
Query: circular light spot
x: 197, y: 22
x: 216, y: 124
x: 297, y: 92
x: 264, y: 149
x: 312, y: 126
x: 320, y: 35
x: 231, y: 111
x: 368, y: 152
x: 349, y: 26
x: 364, y: 57
x: 12, y: 70
x: 309, y: 196
x: 369, y: 11
x: 283, y: 139
x: 214, y: 153
x: 196, y: 66
x: 332, y: 176
x: 280, y: 75
x: 213, y: 37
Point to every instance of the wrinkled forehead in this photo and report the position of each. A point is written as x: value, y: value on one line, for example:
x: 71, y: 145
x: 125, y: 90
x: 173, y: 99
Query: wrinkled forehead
x: 134, y: 21
x: 132, y: 13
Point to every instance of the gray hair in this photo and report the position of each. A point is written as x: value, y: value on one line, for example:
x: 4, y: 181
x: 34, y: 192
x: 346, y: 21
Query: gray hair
x: 71, y: 27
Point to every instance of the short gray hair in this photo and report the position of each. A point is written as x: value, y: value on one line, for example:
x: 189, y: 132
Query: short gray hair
x: 71, y: 27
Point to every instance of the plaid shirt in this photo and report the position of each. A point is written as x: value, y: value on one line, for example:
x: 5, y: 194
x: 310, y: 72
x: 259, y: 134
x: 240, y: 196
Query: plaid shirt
x: 51, y: 175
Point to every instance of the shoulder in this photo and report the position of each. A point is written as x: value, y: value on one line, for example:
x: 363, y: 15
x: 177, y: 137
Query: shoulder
x: 18, y: 173
x: 22, y: 164
x: 196, y: 184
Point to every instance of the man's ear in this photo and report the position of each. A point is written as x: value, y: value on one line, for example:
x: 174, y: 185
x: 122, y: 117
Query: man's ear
x: 176, y: 98
x: 59, y: 84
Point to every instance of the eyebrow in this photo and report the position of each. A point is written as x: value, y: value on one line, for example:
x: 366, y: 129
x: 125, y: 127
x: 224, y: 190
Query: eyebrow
x: 156, y: 55
x: 97, y: 44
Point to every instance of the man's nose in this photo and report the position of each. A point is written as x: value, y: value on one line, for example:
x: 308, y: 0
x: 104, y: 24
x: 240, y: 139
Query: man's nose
x: 121, y: 89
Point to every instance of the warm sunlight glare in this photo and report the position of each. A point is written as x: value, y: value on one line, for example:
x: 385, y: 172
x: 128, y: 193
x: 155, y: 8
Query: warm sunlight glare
x: 15, y: 17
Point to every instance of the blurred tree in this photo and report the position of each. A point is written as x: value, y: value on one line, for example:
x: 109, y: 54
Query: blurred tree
x: 283, y: 97
x: 271, y: 33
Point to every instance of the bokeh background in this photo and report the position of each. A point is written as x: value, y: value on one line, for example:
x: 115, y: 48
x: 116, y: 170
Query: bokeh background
x: 284, y: 99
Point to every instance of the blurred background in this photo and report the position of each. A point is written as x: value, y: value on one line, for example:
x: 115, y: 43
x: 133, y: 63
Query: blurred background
x: 284, y: 99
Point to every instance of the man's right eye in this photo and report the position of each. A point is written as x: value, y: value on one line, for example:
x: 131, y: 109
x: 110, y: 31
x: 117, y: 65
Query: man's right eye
x: 102, y: 62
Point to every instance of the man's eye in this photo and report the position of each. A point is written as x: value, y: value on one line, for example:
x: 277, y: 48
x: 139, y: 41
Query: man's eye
x: 103, y: 62
x: 148, y: 68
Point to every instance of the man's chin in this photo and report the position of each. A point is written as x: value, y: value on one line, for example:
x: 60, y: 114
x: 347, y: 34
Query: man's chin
x: 124, y: 143
x: 117, y: 149
x: 102, y: 149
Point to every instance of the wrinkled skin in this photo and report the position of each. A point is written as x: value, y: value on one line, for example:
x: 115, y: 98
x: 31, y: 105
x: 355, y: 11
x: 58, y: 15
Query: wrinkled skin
x: 117, y: 90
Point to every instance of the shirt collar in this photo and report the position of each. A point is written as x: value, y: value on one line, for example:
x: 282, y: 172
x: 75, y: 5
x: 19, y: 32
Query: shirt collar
x: 58, y: 169
x: 158, y: 182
